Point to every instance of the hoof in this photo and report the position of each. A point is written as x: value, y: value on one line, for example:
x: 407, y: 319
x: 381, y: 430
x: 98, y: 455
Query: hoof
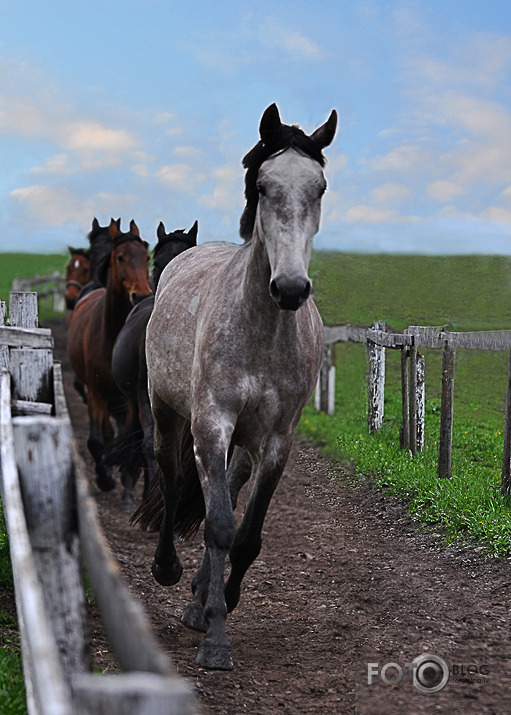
x: 106, y: 482
x: 128, y: 507
x: 214, y: 657
x: 167, y: 576
x: 193, y: 617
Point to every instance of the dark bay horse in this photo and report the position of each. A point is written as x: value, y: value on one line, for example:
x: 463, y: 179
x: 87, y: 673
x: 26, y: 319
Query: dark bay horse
x: 93, y: 329
x: 132, y: 449
x: 233, y: 349
x: 77, y: 274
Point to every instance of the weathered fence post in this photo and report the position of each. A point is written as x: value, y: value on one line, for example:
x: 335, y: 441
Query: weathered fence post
x: 324, y: 400
x: 413, y: 399
x: 420, y: 397
x: 405, y: 395
x: 376, y: 354
x: 446, y: 414
x: 47, y: 483
x: 505, y: 485
x: 4, y: 350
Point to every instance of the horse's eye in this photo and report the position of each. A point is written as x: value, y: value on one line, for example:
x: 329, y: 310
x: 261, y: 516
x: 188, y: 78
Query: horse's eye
x: 120, y: 259
x: 261, y: 189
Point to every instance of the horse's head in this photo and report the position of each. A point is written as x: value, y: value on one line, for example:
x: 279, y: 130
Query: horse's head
x: 284, y: 185
x: 77, y: 274
x: 171, y: 245
x: 129, y: 263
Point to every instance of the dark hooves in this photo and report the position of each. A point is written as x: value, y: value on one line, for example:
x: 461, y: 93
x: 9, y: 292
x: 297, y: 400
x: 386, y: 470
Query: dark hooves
x: 167, y: 576
x: 106, y: 482
x: 214, y: 657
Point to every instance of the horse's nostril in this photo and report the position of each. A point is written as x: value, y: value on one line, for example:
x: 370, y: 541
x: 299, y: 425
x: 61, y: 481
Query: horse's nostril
x: 289, y: 293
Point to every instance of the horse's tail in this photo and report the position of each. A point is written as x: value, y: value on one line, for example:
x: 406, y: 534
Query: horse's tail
x: 190, y: 511
x: 124, y: 450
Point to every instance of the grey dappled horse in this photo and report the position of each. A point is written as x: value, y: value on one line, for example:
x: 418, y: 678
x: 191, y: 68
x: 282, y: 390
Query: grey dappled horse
x: 233, y: 348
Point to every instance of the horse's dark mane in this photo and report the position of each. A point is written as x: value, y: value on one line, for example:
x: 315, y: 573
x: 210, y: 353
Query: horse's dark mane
x: 287, y: 137
x: 179, y: 234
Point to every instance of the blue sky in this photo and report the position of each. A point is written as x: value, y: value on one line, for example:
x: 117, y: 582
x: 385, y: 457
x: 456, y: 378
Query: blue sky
x: 144, y: 110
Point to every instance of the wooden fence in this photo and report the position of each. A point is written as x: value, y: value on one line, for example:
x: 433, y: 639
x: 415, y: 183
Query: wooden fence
x: 378, y: 339
x: 50, y: 290
x: 53, y: 529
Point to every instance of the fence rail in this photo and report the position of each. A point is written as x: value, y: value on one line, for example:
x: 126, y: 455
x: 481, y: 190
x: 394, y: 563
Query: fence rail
x: 378, y: 339
x: 52, y: 523
x: 50, y: 289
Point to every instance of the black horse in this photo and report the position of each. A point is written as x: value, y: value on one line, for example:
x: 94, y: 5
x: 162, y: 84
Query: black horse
x: 132, y: 450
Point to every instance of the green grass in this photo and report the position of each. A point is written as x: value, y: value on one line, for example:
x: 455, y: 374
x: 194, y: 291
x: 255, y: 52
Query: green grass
x: 27, y: 265
x: 468, y: 293
x: 12, y: 686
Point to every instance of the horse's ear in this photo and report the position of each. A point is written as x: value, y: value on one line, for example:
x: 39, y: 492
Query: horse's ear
x: 192, y: 233
x: 113, y: 229
x: 71, y: 250
x: 117, y: 222
x: 134, y: 228
x: 270, y: 123
x: 324, y: 135
x: 160, y: 231
x: 95, y: 224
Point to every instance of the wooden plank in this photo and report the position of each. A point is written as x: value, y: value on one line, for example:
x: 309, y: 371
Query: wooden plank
x: 59, y: 396
x: 23, y: 309
x: 25, y: 407
x: 132, y: 694
x: 31, y: 372
x: 389, y: 340
x: 446, y: 413
x: 136, y: 647
x: 16, y: 337
x: 431, y: 337
x: 344, y: 334
x: 44, y: 458
x: 47, y: 693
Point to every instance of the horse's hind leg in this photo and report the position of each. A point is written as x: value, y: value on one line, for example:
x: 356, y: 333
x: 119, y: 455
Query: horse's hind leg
x: 168, y: 429
x: 247, y: 543
x: 100, y: 432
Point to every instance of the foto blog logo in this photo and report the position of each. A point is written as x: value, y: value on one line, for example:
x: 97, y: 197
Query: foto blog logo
x: 428, y: 673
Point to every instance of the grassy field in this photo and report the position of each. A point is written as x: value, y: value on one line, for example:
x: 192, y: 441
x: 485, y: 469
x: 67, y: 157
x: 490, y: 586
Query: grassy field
x: 465, y: 293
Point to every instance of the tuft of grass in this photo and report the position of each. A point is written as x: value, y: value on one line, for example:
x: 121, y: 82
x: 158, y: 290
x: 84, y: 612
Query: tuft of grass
x: 12, y: 686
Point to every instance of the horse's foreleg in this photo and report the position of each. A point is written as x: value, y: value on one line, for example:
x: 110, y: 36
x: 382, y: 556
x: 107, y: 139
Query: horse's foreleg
x: 166, y: 567
x: 247, y: 543
x: 240, y: 467
x: 211, y: 448
x: 146, y: 420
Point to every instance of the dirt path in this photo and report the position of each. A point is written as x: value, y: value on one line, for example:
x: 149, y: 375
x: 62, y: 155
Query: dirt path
x: 344, y: 579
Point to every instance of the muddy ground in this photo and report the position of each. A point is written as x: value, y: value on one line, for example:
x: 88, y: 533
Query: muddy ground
x: 345, y: 578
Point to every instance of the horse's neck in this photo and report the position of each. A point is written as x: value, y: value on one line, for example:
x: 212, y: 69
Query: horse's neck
x: 116, y: 308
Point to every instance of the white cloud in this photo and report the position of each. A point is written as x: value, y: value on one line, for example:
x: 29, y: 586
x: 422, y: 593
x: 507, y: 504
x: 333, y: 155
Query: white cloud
x: 83, y: 135
x: 58, y: 164
x: 50, y: 206
x: 443, y: 190
x: 390, y: 192
x: 227, y: 191
x: 407, y: 157
x: 180, y: 177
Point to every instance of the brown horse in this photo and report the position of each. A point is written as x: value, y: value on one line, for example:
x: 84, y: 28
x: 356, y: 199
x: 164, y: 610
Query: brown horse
x: 77, y: 274
x: 93, y: 329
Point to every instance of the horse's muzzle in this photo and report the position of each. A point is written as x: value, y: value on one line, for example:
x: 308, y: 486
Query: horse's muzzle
x: 136, y: 298
x: 290, y: 292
